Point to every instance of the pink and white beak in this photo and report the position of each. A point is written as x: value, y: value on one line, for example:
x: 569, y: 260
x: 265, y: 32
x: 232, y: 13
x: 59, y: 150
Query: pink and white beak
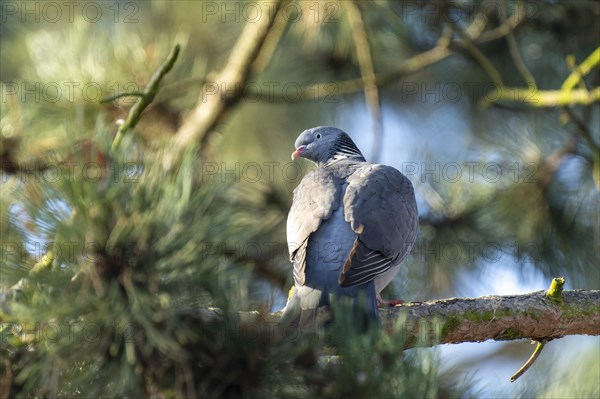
x: 298, y: 152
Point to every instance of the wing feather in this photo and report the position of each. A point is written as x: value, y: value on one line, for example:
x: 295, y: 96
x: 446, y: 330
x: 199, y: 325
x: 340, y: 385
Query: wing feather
x: 379, y: 204
x: 315, y: 199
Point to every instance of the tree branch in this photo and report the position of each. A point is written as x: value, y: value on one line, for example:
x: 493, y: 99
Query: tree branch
x: 367, y: 72
x: 513, y: 47
x: 582, y: 70
x: 501, y: 318
x: 145, y: 98
x: 504, y: 28
x: 542, y: 98
x: 318, y: 91
x: 529, y: 362
x: 213, y: 102
x: 584, y: 130
x: 477, y: 55
x: 440, y: 52
x: 533, y: 316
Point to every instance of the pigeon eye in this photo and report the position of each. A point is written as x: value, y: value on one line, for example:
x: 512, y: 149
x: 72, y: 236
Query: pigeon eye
x: 318, y: 135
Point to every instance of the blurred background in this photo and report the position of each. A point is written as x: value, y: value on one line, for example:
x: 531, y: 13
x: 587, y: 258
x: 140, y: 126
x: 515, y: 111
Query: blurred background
x: 490, y: 108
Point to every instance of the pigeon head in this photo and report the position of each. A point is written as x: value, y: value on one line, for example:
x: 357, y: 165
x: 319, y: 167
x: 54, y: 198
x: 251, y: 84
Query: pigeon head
x: 324, y: 145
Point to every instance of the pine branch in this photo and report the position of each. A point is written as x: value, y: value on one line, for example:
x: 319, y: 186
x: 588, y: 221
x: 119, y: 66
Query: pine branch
x: 145, y: 97
x: 581, y: 70
x: 469, y: 44
x: 323, y: 90
x: 566, y: 96
x: 533, y: 316
x: 542, y: 98
x: 513, y: 48
x: 500, y: 318
x: 418, y: 62
x: 212, y: 106
x: 362, y: 49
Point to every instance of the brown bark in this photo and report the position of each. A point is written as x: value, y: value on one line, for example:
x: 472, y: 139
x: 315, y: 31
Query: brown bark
x: 533, y: 316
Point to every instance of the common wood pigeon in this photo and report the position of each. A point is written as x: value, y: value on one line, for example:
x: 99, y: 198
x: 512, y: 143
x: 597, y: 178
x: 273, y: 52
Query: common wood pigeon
x: 350, y: 225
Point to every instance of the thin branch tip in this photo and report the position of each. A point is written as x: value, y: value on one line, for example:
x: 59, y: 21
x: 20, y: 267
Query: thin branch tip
x: 555, y: 294
x: 530, y: 361
x: 145, y: 97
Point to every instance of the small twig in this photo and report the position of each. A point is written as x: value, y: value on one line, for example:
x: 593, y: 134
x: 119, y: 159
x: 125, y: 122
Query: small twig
x: 584, y: 130
x: 325, y: 90
x: 477, y: 26
x: 446, y: 37
x: 367, y: 72
x: 583, y: 122
x: 554, y: 293
x: 146, y: 98
x: 530, y: 361
x: 582, y: 70
x: 503, y: 29
x: 566, y: 96
x: 513, y: 48
x: 105, y: 100
x: 576, y: 79
x: 542, y: 98
x: 483, y: 61
x: 271, y: 42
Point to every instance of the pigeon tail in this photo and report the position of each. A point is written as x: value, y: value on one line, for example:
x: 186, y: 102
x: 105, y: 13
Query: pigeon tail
x: 310, y: 308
